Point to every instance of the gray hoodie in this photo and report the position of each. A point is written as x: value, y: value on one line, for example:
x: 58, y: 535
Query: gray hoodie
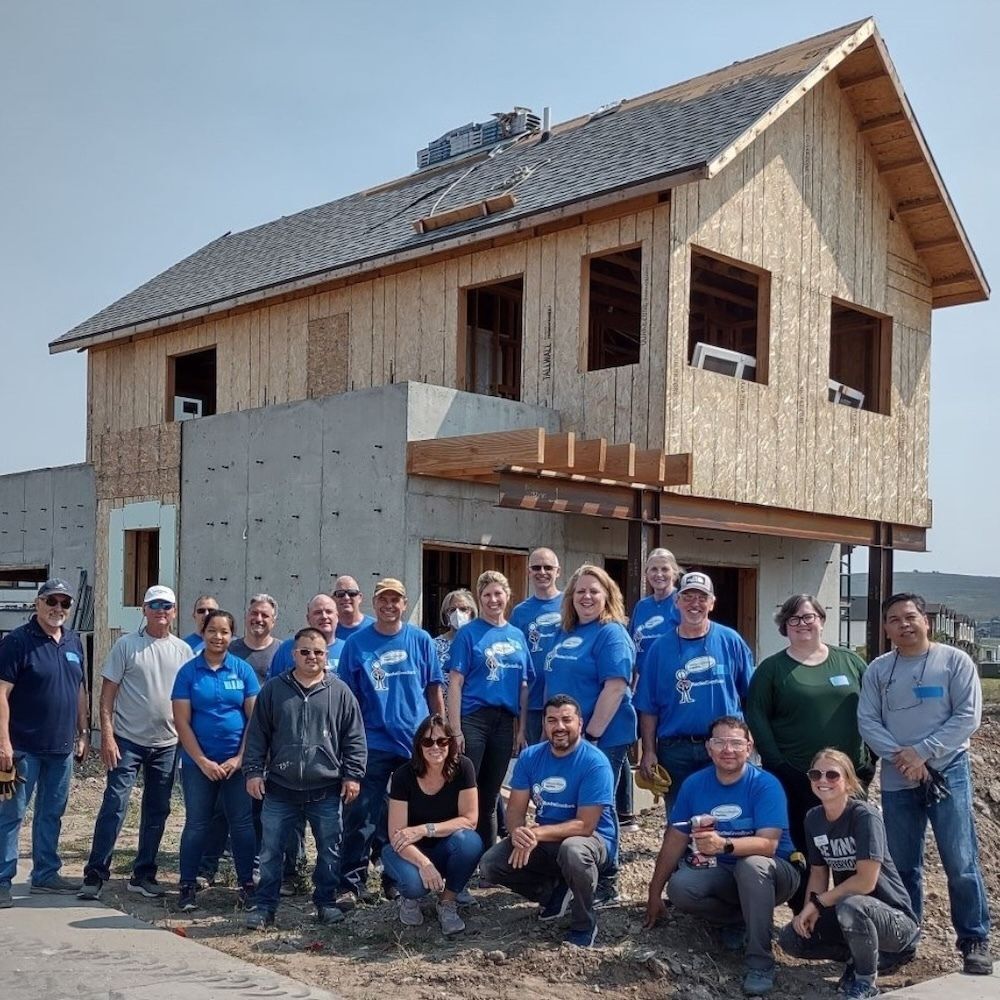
x: 305, y: 739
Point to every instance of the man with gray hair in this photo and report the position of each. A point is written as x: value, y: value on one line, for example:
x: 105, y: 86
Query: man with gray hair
x: 258, y: 645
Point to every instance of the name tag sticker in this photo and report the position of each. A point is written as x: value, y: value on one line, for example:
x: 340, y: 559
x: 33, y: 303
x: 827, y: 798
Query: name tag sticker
x: 840, y: 681
x: 822, y: 840
x: 928, y: 691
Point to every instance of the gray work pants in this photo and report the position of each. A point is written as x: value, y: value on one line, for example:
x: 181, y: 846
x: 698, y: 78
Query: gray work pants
x: 746, y: 891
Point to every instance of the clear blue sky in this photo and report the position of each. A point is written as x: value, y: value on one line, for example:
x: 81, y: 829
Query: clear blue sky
x: 132, y: 133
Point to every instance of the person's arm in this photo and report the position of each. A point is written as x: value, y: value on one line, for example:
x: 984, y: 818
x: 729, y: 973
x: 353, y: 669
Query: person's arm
x: 805, y: 920
x: 760, y: 710
x: 455, y: 682
x: 435, y: 699
x: 353, y: 747
x: 763, y: 844
x: 520, y: 734
x: 188, y: 740
x: 607, y: 703
x: 647, y: 735
x: 870, y: 722
x: 110, y: 754
x: 744, y: 669
x: 257, y: 742
x: 6, y: 749
x: 966, y: 693
x: 671, y: 851
x: 467, y: 818
x: 82, y: 721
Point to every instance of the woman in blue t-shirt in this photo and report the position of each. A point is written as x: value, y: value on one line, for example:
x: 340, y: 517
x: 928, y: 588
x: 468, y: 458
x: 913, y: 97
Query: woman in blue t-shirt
x: 213, y: 697
x: 488, y: 693
x: 457, y: 609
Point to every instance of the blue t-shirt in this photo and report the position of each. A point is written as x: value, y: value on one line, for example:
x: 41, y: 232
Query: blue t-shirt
x: 539, y: 620
x: 560, y: 785
x: 217, y: 697
x: 755, y: 802
x: 651, y: 619
x: 581, y: 661
x: 688, y: 683
x: 495, y: 663
x: 284, y: 658
x: 46, y: 676
x: 389, y: 675
x: 346, y: 631
x: 196, y: 642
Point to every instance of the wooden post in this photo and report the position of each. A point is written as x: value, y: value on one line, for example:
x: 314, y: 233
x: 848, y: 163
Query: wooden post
x: 643, y: 537
x: 879, y: 588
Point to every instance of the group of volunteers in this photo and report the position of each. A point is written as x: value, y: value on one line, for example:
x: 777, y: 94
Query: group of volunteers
x: 393, y: 748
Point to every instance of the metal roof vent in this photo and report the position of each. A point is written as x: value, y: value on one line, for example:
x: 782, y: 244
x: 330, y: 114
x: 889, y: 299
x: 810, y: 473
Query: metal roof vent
x: 479, y: 135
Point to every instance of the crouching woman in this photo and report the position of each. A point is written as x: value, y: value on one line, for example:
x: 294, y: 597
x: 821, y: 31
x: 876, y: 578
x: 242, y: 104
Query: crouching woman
x: 433, y: 812
x: 866, y: 917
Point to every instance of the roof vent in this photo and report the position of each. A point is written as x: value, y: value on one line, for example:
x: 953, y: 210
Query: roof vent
x: 606, y: 109
x: 475, y: 136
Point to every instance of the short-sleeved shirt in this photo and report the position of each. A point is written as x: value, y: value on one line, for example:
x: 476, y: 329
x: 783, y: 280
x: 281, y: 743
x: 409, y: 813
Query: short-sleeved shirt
x: 46, y: 676
x: 389, y: 675
x: 857, y: 834
x: 284, y: 657
x: 582, y: 661
x: 756, y: 801
x: 422, y: 808
x: 145, y: 668
x: 217, y: 697
x: 560, y: 785
x: 196, y: 641
x: 649, y: 620
x: 346, y: 631
x: 494, y: 663
x: 539, y: 619
x: 259, y: 659
x: 688, y: 683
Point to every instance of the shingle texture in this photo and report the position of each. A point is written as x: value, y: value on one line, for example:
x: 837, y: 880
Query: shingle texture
x: 674, y: 130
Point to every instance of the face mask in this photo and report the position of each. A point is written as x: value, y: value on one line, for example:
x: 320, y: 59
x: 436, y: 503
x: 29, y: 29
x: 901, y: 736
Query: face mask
x: 458, y: 618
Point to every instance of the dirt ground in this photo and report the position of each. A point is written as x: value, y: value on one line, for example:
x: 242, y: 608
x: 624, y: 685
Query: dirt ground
x: 505, y: 952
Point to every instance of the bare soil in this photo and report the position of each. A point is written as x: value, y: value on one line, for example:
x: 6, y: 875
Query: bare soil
x: 505, y: 952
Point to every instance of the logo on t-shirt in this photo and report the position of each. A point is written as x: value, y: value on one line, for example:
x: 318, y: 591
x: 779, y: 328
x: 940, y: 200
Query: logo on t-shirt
x: 698, y: 665
x: 573, y: 642
x: 535, y: 629
x: 72, y: 657
x: 839, y: 853
x: 494, y: 658
x: 380, y: 676
x: 726, y: 812
x: 642, y: 632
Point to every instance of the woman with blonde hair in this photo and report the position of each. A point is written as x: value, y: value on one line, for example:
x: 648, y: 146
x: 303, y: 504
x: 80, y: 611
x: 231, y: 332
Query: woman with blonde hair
x: 656, y: 613
x: 866, y: 916
x: 592, y: 661
x: 488, y: 693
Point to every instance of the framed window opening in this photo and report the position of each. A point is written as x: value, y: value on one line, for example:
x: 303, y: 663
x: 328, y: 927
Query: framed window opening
x: 192, y: 381
x: 612, y: 306
x: 860, y: 373
x: 490, y: 345
x: 26, y: 578
x: 141, y: 564
x: 729, y: 317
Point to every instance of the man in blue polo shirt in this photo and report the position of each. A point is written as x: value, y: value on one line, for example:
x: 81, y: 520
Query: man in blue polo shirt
x: 556, y: 862
x: 202, y: 606
x: 538, y: 617
x: 43, y: 725
x: 392, y: 669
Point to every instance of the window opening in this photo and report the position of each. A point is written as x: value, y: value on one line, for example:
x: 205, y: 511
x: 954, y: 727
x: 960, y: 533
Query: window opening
x: 191, y: 385
x: 860, y: 358
x: 141, y: 564
x: 23, y: 577
x: 614, y: 309
x: 493, y: 338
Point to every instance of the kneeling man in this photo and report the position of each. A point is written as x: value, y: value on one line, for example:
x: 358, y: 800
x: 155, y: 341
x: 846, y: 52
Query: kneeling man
x: 556, y: 861
x: 737, y: 870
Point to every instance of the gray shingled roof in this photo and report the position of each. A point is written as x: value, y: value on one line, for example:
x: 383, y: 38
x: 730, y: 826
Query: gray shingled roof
x: 677, y: 130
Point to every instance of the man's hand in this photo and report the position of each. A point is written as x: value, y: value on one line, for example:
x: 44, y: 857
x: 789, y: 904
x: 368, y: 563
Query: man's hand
x: 349, y: 790
x: 910, y: 764
x: 255, y: 788
x: 110, y: 754
x: 407, y: 835
x: 431, y: 878
x: 707, y: 842
x: 805, y: 920
x: 647, y: 762
x: 523, y: 838
x: 519, y: 857
x: 6, y: 755
x: 81, y: 746
x: 656, y: 910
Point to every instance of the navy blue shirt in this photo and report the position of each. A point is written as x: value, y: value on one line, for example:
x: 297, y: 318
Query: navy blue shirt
x: 46, y: 676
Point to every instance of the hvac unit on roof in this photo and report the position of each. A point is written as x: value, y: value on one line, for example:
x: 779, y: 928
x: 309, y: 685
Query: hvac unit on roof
x: 726, y: 362
x: 837, y: 392
x: 187, y: 408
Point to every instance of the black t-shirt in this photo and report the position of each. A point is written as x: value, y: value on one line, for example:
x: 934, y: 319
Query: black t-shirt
x: 423, y: 808
x: 858, y: 833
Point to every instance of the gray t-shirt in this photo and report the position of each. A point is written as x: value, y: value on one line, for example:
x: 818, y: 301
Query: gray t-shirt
x: 932, y: 702
x: 144, y: 669
x: 259, y: 659
x: 857, y: 834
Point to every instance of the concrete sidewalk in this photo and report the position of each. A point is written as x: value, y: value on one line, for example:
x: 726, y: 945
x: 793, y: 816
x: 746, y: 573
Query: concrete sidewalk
x: 953, y: 987
x: 59, y: 947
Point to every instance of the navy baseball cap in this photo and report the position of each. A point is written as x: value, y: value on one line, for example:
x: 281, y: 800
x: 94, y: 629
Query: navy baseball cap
x: 55, y: 586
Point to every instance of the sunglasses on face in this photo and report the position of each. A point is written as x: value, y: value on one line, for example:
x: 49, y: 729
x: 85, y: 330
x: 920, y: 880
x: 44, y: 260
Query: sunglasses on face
x: 346, y: 593
x: 159, y: 606
x: 62, y: 602
x: 203, y: 611
x: 311, y: 653
x: 816, y: 775
x: 543, y: 568
x: 806, y: 619
x: 429, y: 741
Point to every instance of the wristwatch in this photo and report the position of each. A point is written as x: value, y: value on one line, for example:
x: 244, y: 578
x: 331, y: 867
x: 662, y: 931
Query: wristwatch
x: 590, y: 737
x: 431, y: 829
x: 728, y: 847
x: 815, y: 900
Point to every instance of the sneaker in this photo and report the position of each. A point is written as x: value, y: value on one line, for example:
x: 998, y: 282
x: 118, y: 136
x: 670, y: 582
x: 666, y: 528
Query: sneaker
x: 187, y: 900
x: 258, y: 920
x: 205, y: 882
x: 58, y: 885
x: 465, y: 898
x: 448, y: 918
x: 582, y: 939
x: 976, y: 959
x: 91, y: 888
x: 246, y: 897
x: 733, y: 936
x: 606, y: 894
x: 758, y: 982
x: 861, y: 989
x: 389, y: 889
x: 846, y: 980
x: 628, y: 824
x: 557, y: 903
x: 6, y: 900
x: 147, y: 887
x: 329, y: 914
x: 410, y: 914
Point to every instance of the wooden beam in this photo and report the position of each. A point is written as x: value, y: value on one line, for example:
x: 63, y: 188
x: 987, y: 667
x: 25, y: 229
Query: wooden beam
x: 560, y: 452
x: 858, y: 81
x: 916, y: 204
x: 883, y: 121
x: 650, y: 467
x: 591, y: 456
x: 620, y: 463
x: 894, y: 165
x: 462, y: 213
x: 960, y: 278
x: 677, y: 470
x: 475, y: 454
x: 944, y: 241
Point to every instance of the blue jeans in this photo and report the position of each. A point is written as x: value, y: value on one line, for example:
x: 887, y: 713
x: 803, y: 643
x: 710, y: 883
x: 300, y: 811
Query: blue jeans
x: 157, y: 765
x: 681, y: 757
x: 200, y: 798
x: 906, y: 815
x: 365, y: 819
x: 47, y: 775
x: 277, y: 819
x: 454, y: 856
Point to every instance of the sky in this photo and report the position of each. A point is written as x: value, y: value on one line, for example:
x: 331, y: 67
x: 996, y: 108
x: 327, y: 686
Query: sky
x: 132, y: 133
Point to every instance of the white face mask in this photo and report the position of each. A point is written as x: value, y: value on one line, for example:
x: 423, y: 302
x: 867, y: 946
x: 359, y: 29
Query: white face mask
x: 458, y: 618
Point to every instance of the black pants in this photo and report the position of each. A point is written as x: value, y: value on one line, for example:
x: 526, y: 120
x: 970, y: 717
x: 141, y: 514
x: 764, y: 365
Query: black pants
x: 489, y: 743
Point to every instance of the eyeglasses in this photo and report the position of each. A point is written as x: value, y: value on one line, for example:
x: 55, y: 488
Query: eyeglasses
x: 543, y: 568
x: 63, y: 602
x: 162, y: 606
x: 204, y: 611
x: 311, y: 653
x: 807, y: 619
x: 816, y: 774
x: 346, y: 593
x: 720, y: 743
x: 441, y: 741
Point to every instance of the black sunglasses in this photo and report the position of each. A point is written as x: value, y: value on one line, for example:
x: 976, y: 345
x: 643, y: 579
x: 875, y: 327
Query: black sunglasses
x: 815, y: 775
x: 159, y: 606
x: 347, y: 593
x: 430, y: 741
x: 542, y: 568
x: 63, y: 602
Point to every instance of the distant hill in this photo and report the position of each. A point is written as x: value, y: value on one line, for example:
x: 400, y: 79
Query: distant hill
x: 977, y: 596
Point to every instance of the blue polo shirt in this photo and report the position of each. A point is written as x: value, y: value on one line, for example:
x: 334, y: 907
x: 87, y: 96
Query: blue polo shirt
x: 494, y: 663
x: 46, y: 676
x: 539, y: 620
x: 651, y: 619
x: 284, y: 658
x: 217, y: 697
